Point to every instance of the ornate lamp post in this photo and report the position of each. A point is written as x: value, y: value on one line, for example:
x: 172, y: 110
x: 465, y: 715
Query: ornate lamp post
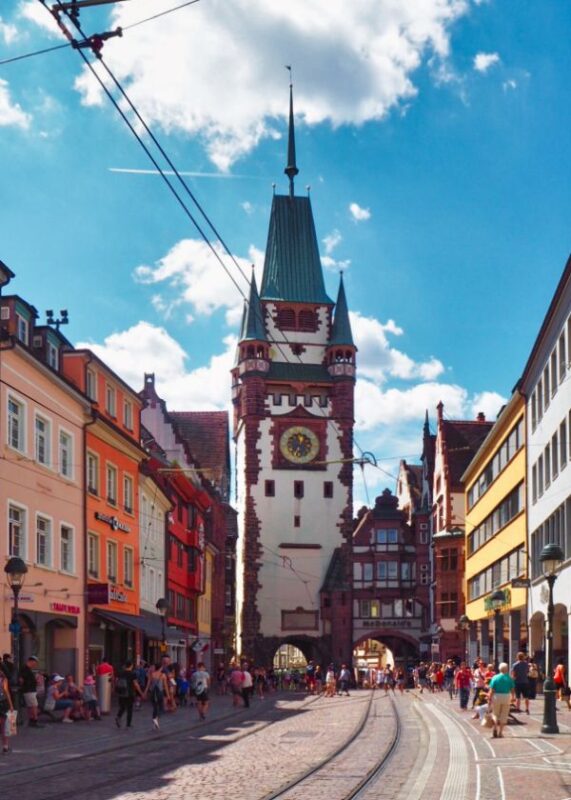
x: 162, y: 608
x: 15, y: 570
x: 464, y: 625
x: 497, y: 599
x: 550, y: 557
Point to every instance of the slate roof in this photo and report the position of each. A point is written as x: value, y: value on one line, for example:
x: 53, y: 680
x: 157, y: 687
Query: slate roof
x: 336, y: 576
x: 207, y: 435
x: 253, y: 327
x: 292, y: 267
x: 341, y: 331
x: 462, y: 439
x: 312, y: 373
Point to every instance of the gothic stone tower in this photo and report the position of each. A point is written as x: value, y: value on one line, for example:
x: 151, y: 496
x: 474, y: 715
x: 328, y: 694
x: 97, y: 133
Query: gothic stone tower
x: 293, y: 395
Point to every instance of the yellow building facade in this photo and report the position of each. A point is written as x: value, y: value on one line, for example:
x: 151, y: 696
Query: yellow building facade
x: 496, y: 555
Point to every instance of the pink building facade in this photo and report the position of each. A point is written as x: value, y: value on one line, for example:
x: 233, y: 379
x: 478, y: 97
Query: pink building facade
x: 42, y: 507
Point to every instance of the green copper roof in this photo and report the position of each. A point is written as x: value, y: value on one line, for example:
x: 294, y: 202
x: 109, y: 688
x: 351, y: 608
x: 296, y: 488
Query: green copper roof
x: 253, y: 320
x: 292, y: 269
x: 341, y: 332
x: 309, y: 373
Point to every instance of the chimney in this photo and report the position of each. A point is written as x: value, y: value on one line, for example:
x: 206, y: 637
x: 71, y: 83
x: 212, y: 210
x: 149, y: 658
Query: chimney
x: 481, y: 417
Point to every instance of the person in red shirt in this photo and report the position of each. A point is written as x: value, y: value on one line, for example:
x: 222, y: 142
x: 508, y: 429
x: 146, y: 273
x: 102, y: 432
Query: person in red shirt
x: 104, y: 668
x: 463, y: 683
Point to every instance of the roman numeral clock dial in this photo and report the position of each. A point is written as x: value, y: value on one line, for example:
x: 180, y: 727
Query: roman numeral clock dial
x: 299, y: 445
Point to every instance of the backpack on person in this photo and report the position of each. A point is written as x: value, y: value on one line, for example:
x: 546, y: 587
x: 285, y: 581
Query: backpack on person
x: 122, y: 687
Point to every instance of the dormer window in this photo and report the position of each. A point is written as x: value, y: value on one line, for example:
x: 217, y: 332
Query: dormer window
x: 22, y: 328
x: 53, y: 356
x: 307, y: 320
x: 286, y: 319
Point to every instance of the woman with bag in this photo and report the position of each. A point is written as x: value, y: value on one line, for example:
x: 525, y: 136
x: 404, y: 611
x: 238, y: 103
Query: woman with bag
x: 6, y: 708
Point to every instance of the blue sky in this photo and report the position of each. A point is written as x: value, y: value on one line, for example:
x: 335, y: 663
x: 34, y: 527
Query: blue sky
x: 443, y: 124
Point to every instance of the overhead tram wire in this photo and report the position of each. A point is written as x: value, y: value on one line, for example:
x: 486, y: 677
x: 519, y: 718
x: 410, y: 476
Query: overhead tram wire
x: 171, y: 164
x: 123, y: 28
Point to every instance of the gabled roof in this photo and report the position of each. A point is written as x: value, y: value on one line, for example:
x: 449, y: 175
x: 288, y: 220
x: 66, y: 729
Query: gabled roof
x: 207, y: 435
x: 462, y: 439
x: 341, y: 331
x: 292, y: 267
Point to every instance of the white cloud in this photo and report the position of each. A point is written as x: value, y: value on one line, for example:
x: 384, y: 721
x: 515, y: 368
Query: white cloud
x: 331, y: 241
x: 247, y: 207
x: 34, y: 12
x: 374, y: 407
x: 333, y: 265
x: 8, y: 32
x: 359, y: 214
x: 379, y: 361
x: 489, y: 403
x: 11, y: 113
x: 232, y: 102
x: 483, y: 61
x: 509, y: 85
x: 148, y: 348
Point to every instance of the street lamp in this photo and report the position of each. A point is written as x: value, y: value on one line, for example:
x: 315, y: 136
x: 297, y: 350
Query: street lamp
x: 497, y: 599
x: 162, y: 608
x: 464, y: 625
x: 15, y: 570
x: 550, y: 557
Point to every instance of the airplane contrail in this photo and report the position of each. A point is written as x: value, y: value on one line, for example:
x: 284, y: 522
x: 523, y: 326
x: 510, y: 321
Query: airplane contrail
x: 129, y: 171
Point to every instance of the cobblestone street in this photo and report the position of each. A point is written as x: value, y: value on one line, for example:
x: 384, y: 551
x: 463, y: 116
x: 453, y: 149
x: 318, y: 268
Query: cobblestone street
x: 253, y: 753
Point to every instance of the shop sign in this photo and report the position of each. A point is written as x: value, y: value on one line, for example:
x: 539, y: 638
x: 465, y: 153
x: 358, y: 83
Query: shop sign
x: 64, y: 608
x: 22, y: 598
x: 199, y: 644
x: 98, y: 593
x: 520, y: 583
x: 218, y: 650
x: 113, y: 522
x: 387, y: 623
x: 116, y: 594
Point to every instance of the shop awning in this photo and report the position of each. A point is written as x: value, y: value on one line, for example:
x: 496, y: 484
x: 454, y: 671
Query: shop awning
x: 150, y: 624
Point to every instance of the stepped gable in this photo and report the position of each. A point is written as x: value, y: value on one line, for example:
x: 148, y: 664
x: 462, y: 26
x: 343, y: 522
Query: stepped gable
x: 463, y: 439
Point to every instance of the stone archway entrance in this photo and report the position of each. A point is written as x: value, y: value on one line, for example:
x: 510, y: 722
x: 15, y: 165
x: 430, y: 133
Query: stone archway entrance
x: 382, y: 648
x: 289, y: 657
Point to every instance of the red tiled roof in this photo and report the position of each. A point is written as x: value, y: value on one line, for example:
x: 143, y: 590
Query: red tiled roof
x: 462, y: 440
x: 206, y: 433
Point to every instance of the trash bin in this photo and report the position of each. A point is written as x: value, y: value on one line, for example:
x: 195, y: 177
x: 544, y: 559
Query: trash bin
x: 104, y: 688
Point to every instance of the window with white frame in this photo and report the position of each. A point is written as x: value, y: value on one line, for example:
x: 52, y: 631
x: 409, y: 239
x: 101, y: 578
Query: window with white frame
x: 128, y: 493
x: 42, y: 440
x: 92, y: 473
x: 111, y: 400
x: 111, y: 483
x: 112, y: 571
x: 16, y: 424
x: 53, y: 356
x: 66, y: 549
x: 91, y: 384
x: 128, y: 562
x: 65, y: 454
x: 16, y: 531
x: 22, y: 328
x: 128, y: 415
x: 43, y: 541
x: 93, y: 555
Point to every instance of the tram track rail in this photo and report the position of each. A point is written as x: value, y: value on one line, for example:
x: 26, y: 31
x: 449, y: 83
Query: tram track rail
x: 305, y: 781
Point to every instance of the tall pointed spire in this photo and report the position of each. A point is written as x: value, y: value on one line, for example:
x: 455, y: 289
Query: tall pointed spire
x: 426, y: 429
x: 253, y: 324
x: 341, y: 331
x: 291, y: 170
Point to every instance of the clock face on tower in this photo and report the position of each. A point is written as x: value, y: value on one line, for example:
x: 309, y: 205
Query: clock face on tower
x: 299, y: 445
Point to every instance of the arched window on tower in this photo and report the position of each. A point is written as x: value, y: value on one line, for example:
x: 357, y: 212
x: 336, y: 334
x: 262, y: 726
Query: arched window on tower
x: 307, y: 320
x: 250, y: 351
x: 286, y: 319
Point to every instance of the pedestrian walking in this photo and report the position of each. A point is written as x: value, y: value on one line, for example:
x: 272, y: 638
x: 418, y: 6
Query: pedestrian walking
x: 29, y: 688
x: 91, y: 708
x: 463, y: 682
x: 532, y: 678
x: 126, y: 687
x: 156, y: 689
x: 449, y: 671
x: 520, y: 673
x: 5, y: 706
x: 247, y: 684
x: 236, y: 680
x: 344, y: 680
x: 200, y: 686
x: 502, y: 687
x: 479, y: 676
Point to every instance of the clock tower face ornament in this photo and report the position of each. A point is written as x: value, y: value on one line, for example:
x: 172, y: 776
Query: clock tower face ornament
x: 299, y: 445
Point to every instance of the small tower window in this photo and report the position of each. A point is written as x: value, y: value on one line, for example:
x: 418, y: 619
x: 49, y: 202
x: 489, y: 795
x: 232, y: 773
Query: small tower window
x: 328, y: 489
x: 296, y: 521
x: 270, y: 489
x: 307, y: 320
x: 298, y: 489
x: 286, y: 319
x: 250, y: 352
